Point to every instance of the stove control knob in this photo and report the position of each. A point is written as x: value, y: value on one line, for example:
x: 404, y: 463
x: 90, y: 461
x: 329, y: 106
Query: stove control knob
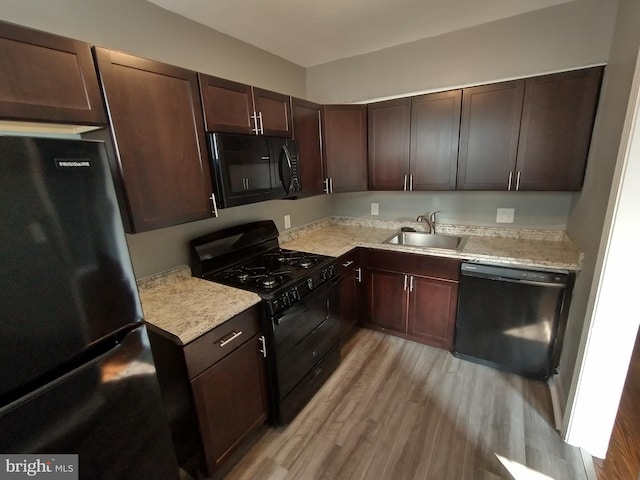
x: 310, y: 283
x: 285, y: 300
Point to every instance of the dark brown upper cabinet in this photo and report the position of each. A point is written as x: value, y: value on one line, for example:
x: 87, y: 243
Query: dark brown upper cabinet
x: 47, y: 78
x: 344, y: 142
x: 489, y: 131
x: 234, y: 107
x: 413, y: 142
x: 306, y: 131
x: 389, y: 130
x: 158, y: 133
x: 435, y: 130
x: 555, y: 134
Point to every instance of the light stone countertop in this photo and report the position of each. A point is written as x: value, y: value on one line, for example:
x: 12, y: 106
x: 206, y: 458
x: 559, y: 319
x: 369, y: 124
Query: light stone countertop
x: 183, y: 308
x: 518, y: 248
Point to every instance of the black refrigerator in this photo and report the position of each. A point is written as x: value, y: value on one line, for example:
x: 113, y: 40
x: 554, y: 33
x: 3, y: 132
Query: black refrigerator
x: 76, y: 372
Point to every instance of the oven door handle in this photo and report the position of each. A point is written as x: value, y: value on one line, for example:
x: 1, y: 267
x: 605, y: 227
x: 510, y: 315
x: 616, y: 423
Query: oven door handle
x: 318, y: 327
x: 306, y: 303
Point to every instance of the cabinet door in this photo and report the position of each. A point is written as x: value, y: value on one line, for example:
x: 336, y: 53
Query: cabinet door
x: 557, y: 121
x: 345, y: 146
x: 350, y: 269
x: 389, y: 129
x: 435, y: 131
x: 432, y: 311
x: 387, y: 300
x: 231, y: 400
x: 47, y: 78
x: 489, y: 136
x: 159, y: 136
x: 306, y: 131
x: 274, y: 113
x: 227, y: 105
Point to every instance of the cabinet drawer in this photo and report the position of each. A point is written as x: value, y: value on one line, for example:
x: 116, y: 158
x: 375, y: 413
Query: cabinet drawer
x: 222, y: 340
x: 425, y: 265
x: 349, y: 261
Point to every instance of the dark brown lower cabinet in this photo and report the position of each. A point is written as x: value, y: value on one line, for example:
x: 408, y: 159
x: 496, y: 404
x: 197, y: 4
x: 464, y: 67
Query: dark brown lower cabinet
x: 412, y: 296
x: 349, y: 287
x: 230, y: 400
x: 214, y: 389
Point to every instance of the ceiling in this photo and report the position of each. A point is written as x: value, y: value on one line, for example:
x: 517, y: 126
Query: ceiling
x: 311, y: 32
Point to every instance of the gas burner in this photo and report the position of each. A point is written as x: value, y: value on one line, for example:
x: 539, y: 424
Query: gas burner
x: 268, y: 281
x: 293, y: 259
x: 273, y: 279
x: 244, y: 274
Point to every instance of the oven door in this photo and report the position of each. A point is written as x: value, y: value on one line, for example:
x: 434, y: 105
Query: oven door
x: 303, y: 336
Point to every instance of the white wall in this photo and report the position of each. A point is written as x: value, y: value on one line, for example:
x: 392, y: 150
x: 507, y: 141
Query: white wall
x: 605, y: 219
x: 587, y: 219
x: 144, y: 29
x: 567, y: 36
x: 160, y: 250
x: 547, y: 210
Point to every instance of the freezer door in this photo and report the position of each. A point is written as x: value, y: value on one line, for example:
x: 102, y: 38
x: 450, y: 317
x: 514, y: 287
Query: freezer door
x: 65, y: 272
x: 109, y: 412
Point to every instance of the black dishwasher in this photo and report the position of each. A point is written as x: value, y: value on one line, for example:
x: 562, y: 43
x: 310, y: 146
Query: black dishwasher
x: 512, y: 319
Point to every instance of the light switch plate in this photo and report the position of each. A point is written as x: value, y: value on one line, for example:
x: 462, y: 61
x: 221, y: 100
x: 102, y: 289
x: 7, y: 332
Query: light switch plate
x: 505, y: 215
x: 287, y: 221
x: 375, y: 209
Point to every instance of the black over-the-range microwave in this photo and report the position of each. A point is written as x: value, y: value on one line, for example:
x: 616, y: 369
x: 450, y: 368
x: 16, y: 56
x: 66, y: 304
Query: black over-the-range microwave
x: 253, y: 168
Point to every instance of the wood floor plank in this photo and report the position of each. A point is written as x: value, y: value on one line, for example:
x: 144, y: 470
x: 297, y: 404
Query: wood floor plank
x: 396, y: 409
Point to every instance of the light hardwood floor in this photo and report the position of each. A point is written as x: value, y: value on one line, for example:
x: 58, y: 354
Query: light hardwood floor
x: 396, y: 409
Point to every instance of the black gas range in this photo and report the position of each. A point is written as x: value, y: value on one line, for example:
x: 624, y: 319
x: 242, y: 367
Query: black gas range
x: 281, y: 277
x: 299, y: 292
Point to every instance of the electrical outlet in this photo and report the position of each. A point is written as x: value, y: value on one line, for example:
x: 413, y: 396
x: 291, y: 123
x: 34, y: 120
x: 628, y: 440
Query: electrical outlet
x: 505, y: 215
x: 287, y: 221
x: 375, y: 209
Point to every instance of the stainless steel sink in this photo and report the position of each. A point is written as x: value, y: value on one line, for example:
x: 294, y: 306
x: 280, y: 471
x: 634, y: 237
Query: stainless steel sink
x: 428, y: 240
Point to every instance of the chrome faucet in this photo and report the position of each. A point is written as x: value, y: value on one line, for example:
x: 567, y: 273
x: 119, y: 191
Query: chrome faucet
x: 429, y: 220
x: 432, y: 221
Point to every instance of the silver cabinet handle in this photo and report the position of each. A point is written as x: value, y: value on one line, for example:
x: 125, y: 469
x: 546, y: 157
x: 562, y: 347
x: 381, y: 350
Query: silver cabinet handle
x: 326, y: 185
x: 261, y: 124
x: 263, y: 346
x: 518, y: 181
x: 404, y: 187
x: 215, y: 205
x: 359, y: 275
x: 510, y: 177
x: 254, y: 117
x: 411, y: 182
x: 405, y: 283
x: 350, y: 262
x: 411, y: 284
x: 331, y: 183
x: 229, y: 338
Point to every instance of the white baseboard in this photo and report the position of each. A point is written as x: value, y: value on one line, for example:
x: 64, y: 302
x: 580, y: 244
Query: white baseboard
x: 558, y: 402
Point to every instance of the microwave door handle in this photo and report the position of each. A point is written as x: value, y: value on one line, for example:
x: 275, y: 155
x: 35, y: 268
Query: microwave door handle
x: 285, y: 161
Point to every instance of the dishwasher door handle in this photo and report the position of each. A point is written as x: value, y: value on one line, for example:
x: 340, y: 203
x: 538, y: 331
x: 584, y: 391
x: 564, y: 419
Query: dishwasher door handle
x: 516, y: 280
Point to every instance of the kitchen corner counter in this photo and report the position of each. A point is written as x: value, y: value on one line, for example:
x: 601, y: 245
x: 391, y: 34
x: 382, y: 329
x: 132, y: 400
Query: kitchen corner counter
x: 517, y: 248
x: 182, y: 308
